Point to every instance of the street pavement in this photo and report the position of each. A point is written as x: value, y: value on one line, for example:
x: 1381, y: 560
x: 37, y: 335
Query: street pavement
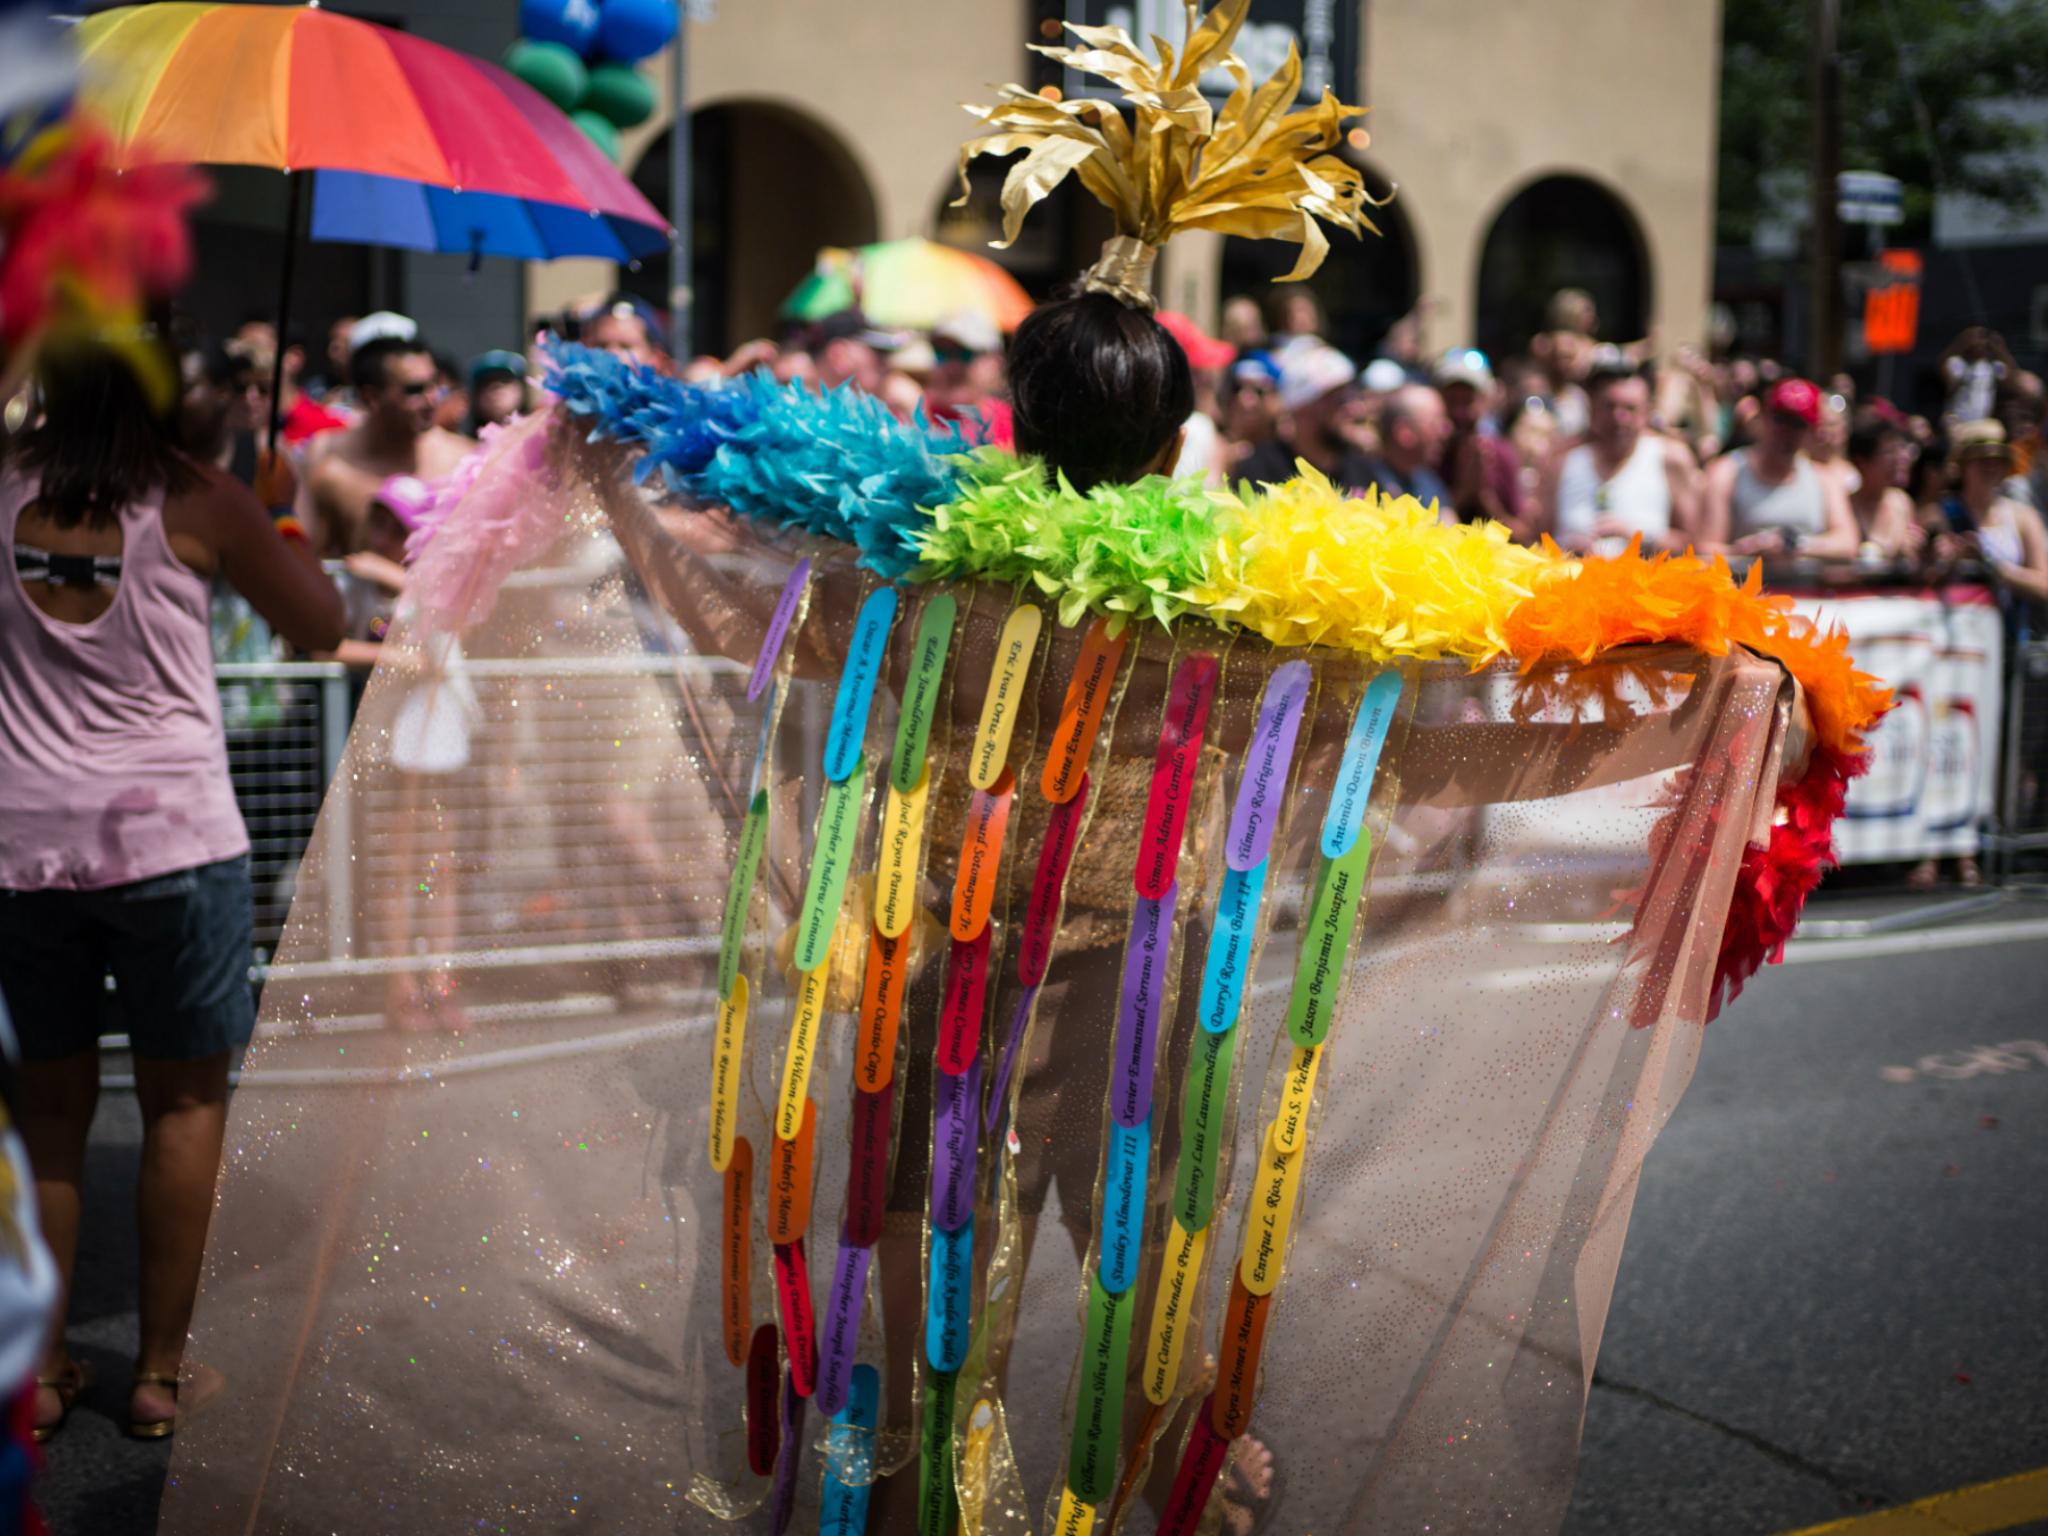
x: 1834, y: 1296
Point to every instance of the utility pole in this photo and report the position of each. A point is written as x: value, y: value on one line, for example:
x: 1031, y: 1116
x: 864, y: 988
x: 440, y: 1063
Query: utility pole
x: 679, y: 295
x: 1825, y: 227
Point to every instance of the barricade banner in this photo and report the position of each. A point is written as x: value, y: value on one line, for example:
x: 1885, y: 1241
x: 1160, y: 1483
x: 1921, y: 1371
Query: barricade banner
x: 1934, y: 767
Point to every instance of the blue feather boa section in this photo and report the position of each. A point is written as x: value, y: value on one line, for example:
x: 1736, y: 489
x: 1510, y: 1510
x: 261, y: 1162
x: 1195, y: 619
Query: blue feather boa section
x: 837, y: 464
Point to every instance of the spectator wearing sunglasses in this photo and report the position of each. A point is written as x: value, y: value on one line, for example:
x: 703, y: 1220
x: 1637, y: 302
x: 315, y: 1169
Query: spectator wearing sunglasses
x: 399, y: 388
x: 1769, y: 498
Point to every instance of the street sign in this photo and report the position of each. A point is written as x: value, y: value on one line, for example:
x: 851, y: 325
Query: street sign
x: 1869, y: 197
x: 1891, y: 309
x: 1325, y: 31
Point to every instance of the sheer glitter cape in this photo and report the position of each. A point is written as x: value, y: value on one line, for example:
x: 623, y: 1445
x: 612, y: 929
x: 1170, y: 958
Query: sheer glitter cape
x: 473, y: 1266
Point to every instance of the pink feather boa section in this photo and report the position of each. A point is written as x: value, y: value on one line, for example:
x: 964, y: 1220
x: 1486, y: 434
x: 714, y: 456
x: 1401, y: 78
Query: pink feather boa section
x: 508, y: 515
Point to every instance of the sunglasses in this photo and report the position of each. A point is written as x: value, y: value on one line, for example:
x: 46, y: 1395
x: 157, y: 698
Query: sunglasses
x: 419, y: 391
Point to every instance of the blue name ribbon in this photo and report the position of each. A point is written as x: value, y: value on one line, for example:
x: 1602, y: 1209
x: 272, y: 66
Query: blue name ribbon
x: 1230, y: 947
x: 1369, y: 726
x: 952, y: 1278
x: 1123, y: 1205
x: 850, y: 1457
x: 849, y: 726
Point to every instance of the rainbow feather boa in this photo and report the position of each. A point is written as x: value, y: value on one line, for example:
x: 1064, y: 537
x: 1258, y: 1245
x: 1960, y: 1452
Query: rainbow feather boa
x: 1297, y: 563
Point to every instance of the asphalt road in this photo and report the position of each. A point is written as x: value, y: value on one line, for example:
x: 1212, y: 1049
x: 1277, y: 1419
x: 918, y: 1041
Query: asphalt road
x: 1834, y: 1296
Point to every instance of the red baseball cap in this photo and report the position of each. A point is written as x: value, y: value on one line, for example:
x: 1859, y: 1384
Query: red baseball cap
x: 1203, y: 351
x: 1795, y: 397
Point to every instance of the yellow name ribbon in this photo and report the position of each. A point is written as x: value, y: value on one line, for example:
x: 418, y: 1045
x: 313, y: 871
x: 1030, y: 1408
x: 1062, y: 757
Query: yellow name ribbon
x: 803, y: 1050
x: 1290, y: 1125
x: 1005, y: 697
x: 1275, y: 1187
x: 902, y: 843
x: 1171, y: 1307
x: 728, y: 1041
x: 1076, y: 1517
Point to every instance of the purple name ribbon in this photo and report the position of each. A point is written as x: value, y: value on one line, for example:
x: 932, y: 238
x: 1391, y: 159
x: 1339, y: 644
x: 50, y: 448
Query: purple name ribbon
x: 1256, y: 810
x: 1018, y: 1022
x: 956, y: 1143
x: 841, y: 1340
x: 1146, y: 954
x: 778, y: 629
x: 782, y: 1502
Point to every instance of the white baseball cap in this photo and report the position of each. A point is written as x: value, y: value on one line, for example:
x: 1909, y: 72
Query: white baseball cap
x: 1308, y: 373
x: 382, y: 325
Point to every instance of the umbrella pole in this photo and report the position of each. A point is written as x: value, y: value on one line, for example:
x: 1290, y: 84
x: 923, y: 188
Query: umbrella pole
x: 296, y: 181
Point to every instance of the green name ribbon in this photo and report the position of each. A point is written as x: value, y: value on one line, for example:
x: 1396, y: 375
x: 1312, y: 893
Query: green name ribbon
x: 1204, y: 1097
x: 1098, y: 1417
x: 921, y: 691
x: 838, y: 831
x: 938, y: 1509
x: 1319, y: 969
x: 732, y: 932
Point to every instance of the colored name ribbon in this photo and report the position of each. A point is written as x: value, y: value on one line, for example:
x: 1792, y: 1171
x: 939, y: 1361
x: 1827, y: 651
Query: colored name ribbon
x: 1172, y: 1309
x: 1005, y: 697
x: 1276, y: 1186
x: 831, y: 858
x: 1237, y: 1378
x: 1203, y: 1102
x: 789, y: 1181
x: 867, y: 1168
x: 921, y: 690
x: 1076, y: 1517
x: 881, y: 1011
x: 1173, y: 773
x: 1256, y: 811
x: 732, y: 931
x: 1123, y: 1205
x: 782, y: 1500
x: 972, y: 1482
x: 1087, y: 700
x: 799, y: 1324
x: 1229, y: 959
x: 962, y: 1005
x: 764, y: 1417
x: 947, y: 1297
x: 778, y: 629
x: 1369, y: 726
x: 1200, y: 1465
x: 1042, y: 916
x: 902, y: 844
x: 981, y: 855
x: 841, y: 1336
x: 1325, y: 935
x: 735, y: 1251
x: 1290, y: 1125
x: 1146, y: 955
x: 1098, y: 1416
x: 849, y: 727
x: 758, y: 779
x: 803, y: 1051
x: 937, y: 1504
x: 956, y: 1143
x: 1019, y: 1022
x: 728, y: 1041
x: 850, y: 1456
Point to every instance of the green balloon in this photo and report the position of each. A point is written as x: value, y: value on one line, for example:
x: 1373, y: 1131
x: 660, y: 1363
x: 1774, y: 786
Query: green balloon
x: 620, y: 94
x: 550, y: 69
x: 599, y: 131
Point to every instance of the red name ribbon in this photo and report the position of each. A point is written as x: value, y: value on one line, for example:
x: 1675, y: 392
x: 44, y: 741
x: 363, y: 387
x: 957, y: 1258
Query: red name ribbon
x: 960, y: 1013
x: 1237, y: 1379
x: 1041, y: 918
x: 799, y: 1323
x: 867, y: 1169
x: 735, y: 1301
x: 1200, y: 1465
x: 1173, y: 773
x: 764, y: 1412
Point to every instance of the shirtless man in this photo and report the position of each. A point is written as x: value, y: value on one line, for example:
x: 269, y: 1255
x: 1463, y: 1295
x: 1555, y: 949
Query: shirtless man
x: 395, y: 383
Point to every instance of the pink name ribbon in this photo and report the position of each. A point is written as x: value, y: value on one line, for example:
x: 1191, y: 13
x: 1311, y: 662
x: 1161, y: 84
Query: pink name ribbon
x: 799, y: 1323
x: 1173, y: 773
x: 1041, y: 918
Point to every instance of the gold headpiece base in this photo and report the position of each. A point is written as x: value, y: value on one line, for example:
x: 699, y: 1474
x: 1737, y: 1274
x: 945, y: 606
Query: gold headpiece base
x: 1124, y: 271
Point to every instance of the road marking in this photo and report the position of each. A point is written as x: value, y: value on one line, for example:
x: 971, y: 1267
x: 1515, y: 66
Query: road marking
x: 1993, y: 1506
x: 1972, y: 936
x: 1973, y: 1061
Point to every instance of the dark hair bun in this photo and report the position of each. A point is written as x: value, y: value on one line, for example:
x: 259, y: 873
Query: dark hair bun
x: 1098, y: 389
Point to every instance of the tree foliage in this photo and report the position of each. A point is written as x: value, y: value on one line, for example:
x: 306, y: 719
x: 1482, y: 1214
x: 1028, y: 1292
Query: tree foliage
x: 1926, y: 93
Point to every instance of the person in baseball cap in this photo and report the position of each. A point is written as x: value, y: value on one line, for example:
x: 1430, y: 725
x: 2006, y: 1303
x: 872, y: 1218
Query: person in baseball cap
x: 1769, y: 499
x: 1318, y: 390
x: 1794, y: 398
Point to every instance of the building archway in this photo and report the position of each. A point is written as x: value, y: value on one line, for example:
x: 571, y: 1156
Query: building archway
x: 1561, y: 232
x: 1364, y: 285
x: 753, y: 234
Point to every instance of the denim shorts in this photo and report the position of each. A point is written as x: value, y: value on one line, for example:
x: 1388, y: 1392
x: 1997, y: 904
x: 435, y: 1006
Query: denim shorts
x: 178, y: 948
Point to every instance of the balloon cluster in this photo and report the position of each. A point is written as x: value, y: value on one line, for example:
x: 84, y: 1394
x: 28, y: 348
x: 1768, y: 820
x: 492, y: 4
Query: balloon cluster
x: 581, y: 55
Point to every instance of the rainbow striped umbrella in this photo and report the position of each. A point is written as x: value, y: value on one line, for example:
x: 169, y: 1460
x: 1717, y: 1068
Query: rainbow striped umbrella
x: 908, y: 285
x: 416, y: 145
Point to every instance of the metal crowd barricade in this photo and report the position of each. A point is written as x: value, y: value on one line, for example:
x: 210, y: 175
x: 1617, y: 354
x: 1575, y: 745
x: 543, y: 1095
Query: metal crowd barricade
x: 2022, y: 825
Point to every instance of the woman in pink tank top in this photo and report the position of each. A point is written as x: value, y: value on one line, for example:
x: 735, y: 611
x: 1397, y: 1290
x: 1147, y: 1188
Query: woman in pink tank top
x: 122, y: 852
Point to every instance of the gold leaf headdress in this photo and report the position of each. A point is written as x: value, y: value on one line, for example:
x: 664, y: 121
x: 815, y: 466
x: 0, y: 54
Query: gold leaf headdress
x: 1251, y: 168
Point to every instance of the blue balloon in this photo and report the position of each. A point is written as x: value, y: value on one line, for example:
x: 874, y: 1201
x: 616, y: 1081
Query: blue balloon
x: 630, y: 30
x: 572, y: 23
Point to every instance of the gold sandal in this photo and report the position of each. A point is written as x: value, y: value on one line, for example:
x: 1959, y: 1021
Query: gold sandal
x: 153, y: 1429
x: 69, y: 1384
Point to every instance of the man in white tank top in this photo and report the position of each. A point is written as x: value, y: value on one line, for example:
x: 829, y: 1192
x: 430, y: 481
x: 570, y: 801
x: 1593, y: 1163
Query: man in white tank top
x: 1622, y: 479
